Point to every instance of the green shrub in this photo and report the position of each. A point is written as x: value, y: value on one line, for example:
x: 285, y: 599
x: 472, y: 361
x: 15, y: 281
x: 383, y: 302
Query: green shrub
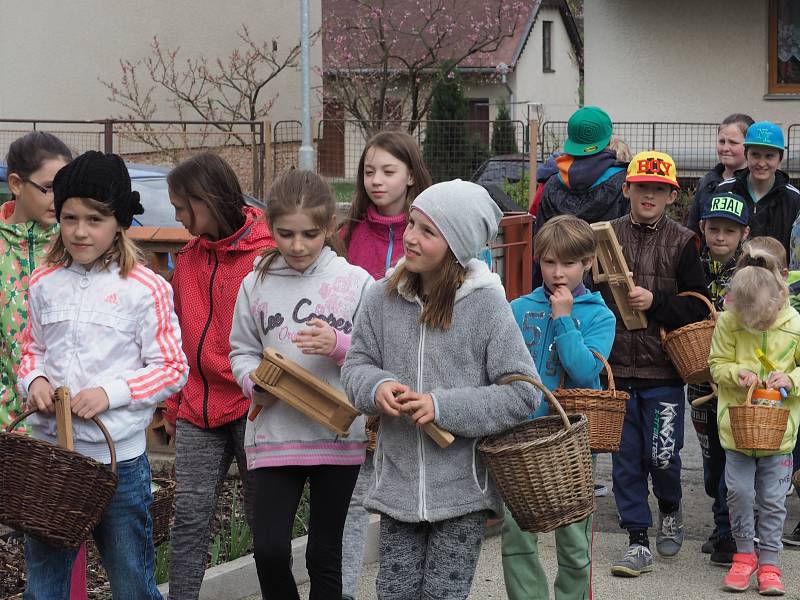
x: 504, y: 139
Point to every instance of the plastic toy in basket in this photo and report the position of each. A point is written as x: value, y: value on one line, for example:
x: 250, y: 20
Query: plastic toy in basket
x: 688, y: 347
x: 49, y: 491
x: 543, y: 467
x: 604, y: 409
x: 759, y: 423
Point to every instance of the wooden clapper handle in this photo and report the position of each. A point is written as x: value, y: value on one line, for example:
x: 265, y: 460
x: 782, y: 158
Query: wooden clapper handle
x: 61, y: 399
x: 442, y: 438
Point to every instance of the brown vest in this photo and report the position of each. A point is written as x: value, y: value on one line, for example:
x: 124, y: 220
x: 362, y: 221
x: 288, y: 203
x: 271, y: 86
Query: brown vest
x: 652, y: 255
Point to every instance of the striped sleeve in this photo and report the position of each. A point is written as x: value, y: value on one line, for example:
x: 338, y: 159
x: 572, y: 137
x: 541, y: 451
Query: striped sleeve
x: 31, y: 364
x: 165, y: 369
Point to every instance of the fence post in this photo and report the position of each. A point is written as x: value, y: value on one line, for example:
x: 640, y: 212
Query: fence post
x: 108, y: 136
x: 267, y: 156
x: 533, y: 150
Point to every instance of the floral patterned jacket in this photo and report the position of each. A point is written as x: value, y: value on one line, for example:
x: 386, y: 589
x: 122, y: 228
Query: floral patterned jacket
x: 22, y: 249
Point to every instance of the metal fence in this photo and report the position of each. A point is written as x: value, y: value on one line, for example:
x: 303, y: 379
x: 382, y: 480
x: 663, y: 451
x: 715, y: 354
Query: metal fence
x: 692, y: 145
x: 241, y: 143
x: 450, y: 148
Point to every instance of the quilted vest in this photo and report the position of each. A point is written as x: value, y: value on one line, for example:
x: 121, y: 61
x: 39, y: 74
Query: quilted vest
x: 652, y: 254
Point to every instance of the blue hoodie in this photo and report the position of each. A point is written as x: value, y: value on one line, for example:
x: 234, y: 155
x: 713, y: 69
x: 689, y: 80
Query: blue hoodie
x: 566, y: 342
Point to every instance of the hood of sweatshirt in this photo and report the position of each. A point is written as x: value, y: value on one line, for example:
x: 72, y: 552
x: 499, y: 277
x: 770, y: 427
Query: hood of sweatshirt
x: 18, y: 235
x: 478, y: 277
x: 585, y: 172
x: 280, y: 267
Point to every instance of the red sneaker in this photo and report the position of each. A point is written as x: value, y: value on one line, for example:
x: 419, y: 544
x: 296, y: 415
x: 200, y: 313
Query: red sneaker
x: 769, y: 581
x: 742, y: 569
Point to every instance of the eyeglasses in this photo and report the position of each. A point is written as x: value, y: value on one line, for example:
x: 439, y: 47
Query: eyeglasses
x: 44, y: 189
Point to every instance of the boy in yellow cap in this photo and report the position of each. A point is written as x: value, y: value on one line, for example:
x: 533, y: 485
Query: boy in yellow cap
x: 663, y: 257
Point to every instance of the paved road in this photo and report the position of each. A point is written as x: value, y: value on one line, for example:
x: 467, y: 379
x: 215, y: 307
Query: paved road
x: 689, y: 575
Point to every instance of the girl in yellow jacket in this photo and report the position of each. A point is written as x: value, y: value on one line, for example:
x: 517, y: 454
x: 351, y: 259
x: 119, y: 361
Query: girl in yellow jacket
x: 758, y: 317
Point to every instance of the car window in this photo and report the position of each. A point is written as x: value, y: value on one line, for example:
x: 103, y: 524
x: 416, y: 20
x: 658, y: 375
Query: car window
x: 158, y: 211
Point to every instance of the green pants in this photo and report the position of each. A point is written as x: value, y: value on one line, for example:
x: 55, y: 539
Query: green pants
x: 525, y: 578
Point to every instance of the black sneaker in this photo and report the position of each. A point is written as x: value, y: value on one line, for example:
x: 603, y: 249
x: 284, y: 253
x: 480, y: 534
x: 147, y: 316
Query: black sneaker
x: 792, y: 539
x: 708, y: 545
x: 724, y: 549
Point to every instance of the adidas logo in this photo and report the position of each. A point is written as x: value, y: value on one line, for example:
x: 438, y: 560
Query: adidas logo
x: 112, y: 299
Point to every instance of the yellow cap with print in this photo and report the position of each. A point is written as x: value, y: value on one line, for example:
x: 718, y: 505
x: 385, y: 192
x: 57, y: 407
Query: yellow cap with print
x: 653, y: 167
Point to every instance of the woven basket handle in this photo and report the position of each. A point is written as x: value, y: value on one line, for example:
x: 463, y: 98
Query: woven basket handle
x: 749, y: 400
x: 602, y: 359
x: 711, y: 310
x: 97, y: 421
x: 552, y: 399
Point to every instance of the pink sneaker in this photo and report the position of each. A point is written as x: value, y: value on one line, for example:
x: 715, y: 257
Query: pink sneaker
x: 769, y: 581
x: 742, y: 569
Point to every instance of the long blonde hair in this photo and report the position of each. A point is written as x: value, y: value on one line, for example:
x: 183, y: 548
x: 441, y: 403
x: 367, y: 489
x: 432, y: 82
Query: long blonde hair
x: 758, y: 290
x: 437, y: 311
x: 123, y: 250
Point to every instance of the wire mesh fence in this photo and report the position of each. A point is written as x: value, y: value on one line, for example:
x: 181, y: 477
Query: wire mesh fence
x: 163, y: 143
x: 691, y: 145
x: 450, y: 148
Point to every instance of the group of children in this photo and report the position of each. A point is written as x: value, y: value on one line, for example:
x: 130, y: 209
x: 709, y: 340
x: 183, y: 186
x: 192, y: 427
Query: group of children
x: 428, y: 342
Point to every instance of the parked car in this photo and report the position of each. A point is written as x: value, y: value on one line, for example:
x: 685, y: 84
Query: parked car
x: 496, y: 171
x: 151, y: 183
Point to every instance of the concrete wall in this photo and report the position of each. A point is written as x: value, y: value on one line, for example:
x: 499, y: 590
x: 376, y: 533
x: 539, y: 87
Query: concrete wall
x: 53, y: 53
x: 681, y: 61
x: 557, y: 92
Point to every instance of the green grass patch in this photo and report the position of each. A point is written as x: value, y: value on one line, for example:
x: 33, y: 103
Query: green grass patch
x: 343, y: 190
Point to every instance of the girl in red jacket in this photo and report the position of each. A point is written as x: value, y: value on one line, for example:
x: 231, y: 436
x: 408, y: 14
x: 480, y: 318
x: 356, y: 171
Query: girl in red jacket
x: 207, y: 418
x: 391, y: 173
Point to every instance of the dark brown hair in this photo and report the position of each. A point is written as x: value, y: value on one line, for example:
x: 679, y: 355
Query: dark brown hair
x: 297, y: 190
x: 210, y: 180
x: 741, y: 120
x: 26, y: 154
x: 405, y: 149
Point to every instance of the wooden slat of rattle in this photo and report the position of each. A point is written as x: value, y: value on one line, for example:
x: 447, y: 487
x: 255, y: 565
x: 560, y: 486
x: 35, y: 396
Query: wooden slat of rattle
x: 61, y: 399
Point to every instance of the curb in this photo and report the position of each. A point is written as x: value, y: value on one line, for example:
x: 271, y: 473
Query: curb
x: 238, y: 578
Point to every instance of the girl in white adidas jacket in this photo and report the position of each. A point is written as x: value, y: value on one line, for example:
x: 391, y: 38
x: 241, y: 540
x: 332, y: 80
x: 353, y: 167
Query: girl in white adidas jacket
x: 102, y: 325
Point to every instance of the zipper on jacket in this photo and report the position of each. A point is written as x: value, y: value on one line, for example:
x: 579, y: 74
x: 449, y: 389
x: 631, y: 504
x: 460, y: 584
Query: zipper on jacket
x: 203, y: 336
x: 391, y: 247
x: 31, y: 254
x: 420, y: 441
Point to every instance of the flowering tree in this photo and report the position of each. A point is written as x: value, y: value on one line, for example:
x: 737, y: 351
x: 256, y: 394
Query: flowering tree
x: 235, y: 88
x: 382, y: 57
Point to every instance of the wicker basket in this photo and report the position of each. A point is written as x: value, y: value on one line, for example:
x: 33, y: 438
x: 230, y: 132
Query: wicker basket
x: 543, y: 468
x: 53, y: 493
x: 604, y: 409
x: 688, y: 347
x: 757, y: 427
x: 163, y: 508
x: 373, y: 423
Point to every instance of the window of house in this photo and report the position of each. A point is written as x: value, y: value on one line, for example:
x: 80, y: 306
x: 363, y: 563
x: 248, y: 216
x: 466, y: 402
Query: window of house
x: 547, y: 46
x: 478, y: 117
x: 784, y: 47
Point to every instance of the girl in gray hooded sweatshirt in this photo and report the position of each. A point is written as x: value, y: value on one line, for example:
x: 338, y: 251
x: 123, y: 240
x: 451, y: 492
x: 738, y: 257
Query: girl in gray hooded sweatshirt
x: 430, y: 345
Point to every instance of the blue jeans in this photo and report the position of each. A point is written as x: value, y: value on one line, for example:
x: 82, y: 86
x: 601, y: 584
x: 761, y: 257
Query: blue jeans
x: 652, y: 438
x: 124, y: 537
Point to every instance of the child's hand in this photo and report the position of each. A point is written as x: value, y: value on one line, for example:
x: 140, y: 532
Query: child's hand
x: 777, y: 380
x: 40, y: 395
x: 640, y: 298
x: 89, y: 402
x: 319, y: 338
x: 747, y: 378
x: 561, y: 302
x: 385, y: 397
x: 418, y: 406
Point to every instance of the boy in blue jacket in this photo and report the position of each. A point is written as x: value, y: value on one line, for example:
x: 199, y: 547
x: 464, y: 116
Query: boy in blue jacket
x: 562, y: 322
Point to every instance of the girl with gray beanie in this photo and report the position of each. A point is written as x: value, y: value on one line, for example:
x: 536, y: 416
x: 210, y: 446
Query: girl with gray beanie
x: 431, y: 341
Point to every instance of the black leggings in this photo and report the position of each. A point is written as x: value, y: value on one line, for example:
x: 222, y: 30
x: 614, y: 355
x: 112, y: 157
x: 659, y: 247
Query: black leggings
x: 276, y: 495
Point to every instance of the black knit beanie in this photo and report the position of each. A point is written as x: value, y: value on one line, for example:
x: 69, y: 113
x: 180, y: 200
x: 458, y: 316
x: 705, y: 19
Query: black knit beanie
x: 101, y: 177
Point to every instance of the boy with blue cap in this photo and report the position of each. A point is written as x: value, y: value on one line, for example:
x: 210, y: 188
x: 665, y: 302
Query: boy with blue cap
x: 772, y: 201
x: 724, y: 225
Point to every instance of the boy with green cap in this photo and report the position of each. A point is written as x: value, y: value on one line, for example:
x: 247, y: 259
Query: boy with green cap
x: 589, y: 179
x: 724, y: 225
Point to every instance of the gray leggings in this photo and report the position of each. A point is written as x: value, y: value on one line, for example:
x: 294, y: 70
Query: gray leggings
x: 429, y: 561
x: 202, y: 460
x: 763, y: 483
x: 355, y: 530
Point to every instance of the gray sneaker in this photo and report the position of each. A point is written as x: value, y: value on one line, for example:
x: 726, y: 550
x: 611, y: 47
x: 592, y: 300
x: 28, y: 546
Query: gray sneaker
x: 669, y: 537
x: 637, y: 560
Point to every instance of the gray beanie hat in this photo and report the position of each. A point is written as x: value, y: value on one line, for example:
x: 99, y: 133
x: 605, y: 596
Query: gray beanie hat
x: 465, y: 214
